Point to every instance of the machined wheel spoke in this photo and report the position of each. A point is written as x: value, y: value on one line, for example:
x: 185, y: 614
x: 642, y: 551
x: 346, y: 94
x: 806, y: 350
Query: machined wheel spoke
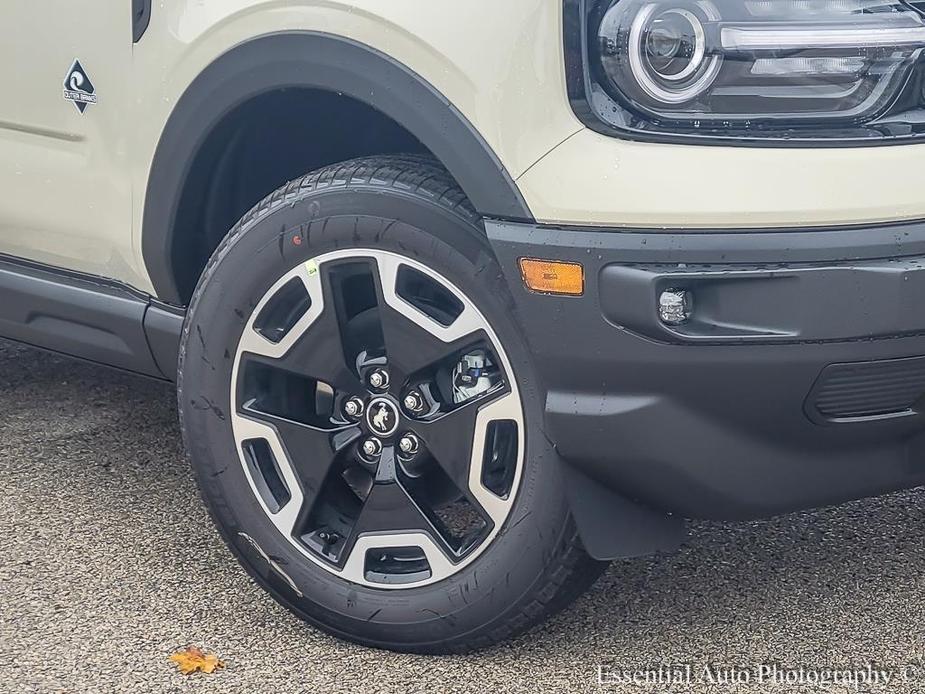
x: 377, y: 418
x: 314, y: 346
x: 389, y: 509
x: 412, y: 350
x: 414, y: 340
x: 457, y: 441
x: 304, y: 455
x: 450, y: 437
x: 390, y: 513
x: 319, y: 353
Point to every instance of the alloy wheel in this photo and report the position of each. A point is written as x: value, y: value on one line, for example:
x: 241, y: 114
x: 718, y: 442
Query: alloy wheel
x: 377, y: 418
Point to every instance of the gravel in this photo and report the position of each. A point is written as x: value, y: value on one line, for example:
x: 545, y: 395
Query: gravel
x: 109, y: 564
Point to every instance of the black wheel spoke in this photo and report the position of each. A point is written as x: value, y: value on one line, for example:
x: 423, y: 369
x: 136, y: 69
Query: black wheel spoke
x: 390, y: 509
x: 449, y: 437
x: 376, y: 418
x: 319, y: 352
x: 410, y: 347
x: 411, y: 350
x: 310, y: 451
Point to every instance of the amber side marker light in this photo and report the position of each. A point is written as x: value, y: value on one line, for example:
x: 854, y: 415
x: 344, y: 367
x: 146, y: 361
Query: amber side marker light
x: 553, y: 277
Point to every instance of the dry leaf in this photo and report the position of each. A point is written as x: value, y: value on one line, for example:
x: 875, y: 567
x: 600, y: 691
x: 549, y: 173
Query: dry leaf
x: 193, y: 659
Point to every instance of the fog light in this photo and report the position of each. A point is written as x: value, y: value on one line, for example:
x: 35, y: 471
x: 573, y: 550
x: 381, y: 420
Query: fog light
x: 675, y: 306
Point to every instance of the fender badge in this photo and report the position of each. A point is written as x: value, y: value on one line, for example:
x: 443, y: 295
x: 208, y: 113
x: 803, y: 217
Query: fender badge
x: 78, y: 88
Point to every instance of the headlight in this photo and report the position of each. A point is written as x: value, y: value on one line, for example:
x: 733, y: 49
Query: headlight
x: 751, y: 69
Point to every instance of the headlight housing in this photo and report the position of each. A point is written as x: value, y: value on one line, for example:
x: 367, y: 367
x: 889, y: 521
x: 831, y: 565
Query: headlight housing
x: 785, y: 71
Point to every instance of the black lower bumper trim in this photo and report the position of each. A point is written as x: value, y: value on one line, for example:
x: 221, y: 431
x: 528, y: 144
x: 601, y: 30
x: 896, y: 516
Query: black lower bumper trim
x: 863, y: 391
x: 702, y: 423
x: 832, y: 301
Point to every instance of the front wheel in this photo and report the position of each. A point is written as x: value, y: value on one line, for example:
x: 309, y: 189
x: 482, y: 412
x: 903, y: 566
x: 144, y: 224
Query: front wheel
x: 364, y: 420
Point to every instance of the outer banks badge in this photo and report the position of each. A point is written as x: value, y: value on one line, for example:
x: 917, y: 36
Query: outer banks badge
x: 78, y: 88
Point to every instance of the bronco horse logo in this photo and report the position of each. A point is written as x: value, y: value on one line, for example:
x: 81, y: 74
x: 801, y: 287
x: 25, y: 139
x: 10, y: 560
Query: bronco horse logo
x: 381, y: 418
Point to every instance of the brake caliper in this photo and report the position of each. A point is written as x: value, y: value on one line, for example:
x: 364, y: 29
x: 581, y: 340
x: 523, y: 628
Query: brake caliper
x: 474, y: 375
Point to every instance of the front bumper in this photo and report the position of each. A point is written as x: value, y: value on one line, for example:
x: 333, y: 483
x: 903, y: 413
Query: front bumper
x: 799, y: 381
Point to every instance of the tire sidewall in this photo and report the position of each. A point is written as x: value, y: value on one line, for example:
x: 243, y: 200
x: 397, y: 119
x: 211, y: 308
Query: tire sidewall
x: 266, y: 245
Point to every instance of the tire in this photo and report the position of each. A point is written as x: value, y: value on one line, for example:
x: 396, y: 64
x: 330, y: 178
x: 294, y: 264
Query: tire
x: 403, y: 207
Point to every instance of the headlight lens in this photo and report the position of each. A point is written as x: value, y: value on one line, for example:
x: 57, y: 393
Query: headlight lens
x: 663, y: 56
x: 764, y: 68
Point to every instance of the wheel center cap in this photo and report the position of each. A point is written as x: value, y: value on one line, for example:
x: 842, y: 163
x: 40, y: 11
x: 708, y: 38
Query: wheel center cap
x: 382, y: 417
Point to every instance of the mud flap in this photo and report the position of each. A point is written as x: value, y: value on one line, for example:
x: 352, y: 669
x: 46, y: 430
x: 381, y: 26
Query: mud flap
x: 614, y: 527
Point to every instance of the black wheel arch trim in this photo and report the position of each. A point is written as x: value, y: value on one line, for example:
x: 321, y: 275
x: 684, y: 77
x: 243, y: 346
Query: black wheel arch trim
x: 141, y: 18
x: 314, y: 61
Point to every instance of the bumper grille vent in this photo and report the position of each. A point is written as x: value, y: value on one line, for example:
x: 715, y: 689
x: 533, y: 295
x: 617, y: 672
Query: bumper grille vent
x: 873, y: 389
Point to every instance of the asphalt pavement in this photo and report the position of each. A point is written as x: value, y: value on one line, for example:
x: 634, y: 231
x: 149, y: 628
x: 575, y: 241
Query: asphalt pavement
x: 109, y: 563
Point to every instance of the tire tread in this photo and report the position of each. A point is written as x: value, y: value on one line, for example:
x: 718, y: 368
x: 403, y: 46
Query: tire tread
x: 571, y: 570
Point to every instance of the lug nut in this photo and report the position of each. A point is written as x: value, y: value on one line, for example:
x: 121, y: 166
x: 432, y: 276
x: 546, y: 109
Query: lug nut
x: 409, y: 445
x: 353, y: 408
x: 372, y: 447
x: 414, y: 402
x: 379, y: 379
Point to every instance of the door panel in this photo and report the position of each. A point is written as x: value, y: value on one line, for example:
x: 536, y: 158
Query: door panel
x: 65, y: 196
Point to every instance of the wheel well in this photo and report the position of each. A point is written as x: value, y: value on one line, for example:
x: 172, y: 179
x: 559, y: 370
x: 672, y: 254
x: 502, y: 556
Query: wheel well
x: 273, y: 108
x: 258, y: 147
